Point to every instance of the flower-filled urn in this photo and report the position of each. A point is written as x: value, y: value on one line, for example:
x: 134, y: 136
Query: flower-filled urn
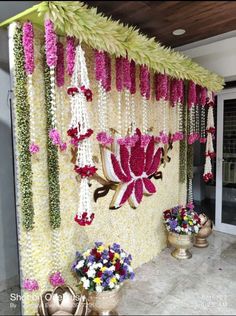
x: 62, y: 301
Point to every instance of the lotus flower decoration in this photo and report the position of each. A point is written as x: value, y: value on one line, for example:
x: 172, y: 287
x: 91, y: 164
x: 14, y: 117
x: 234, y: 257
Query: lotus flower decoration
x: 130, y: 169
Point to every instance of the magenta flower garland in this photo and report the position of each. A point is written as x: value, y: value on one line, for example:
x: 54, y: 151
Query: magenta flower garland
x: 132, y: 77
x: 50, y: 44
x: 70, y: 55
x: 161, y: 87
x: 119, y: 74
x: 192, y: 103
x: 126, y: 73
x: 203, y: 97
x: 145, y: 87
x: 28, y: 44
x: 60, y: 69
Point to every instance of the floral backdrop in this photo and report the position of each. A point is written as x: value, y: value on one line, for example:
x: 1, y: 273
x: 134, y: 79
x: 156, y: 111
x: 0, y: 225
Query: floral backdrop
x: 140, y: 231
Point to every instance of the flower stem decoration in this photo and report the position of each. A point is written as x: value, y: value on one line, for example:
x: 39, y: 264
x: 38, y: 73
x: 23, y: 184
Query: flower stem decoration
x: 80, y: 129
x: 53, y: 179
x: 23, y: 142
x: 28, y: 44
x: 209, y: 153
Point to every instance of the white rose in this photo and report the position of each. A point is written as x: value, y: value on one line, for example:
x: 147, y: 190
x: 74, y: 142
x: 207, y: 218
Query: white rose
x: 86, y: 283
x: 117, y: 276
x: 99, y: 288
x: 112, y: 268
x: 91, y: 273
x: 111, y: 285
x: 80, y: 264
x: 105, y: 261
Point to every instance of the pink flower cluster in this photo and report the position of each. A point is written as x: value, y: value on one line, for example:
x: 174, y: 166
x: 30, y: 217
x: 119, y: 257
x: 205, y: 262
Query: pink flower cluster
x: 145, y: 139
x: 103, y: 69
x: 128, y: 141
x: 56, y: 139
x: 208, y: 177
x: 161, y: 87
x: 30, y: 285
x: 60, y: 69
x: 28, y: 44
x: 202, y: 140
x: 192, y: 138
x: 177, y: 136
x: 84, y: 219
x: 164, y: 138
x: 203, y: 96
x: 56, y: 279
x: 104, y: 139
x: 70, y: 55
x: 192, y: 94
x: 126, y: 73
x: 33, y: 148
x: 50, y: 44
x: 145, y: 87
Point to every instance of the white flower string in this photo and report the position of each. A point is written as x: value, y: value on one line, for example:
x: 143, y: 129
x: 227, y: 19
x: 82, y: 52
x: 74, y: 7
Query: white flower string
x: 133, y: 120
x: 144, y: 115
x: 119, y: 118
x: 127, y: 111
x: 209, y: 153
x: 80, y: 120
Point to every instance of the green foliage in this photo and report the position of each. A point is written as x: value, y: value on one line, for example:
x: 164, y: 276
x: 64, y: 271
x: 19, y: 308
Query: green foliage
x: 74, y: 18
x: 53, y: 167
x: 22, y: 111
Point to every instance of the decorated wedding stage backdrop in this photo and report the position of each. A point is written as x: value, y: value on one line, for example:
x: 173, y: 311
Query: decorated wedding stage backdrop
x: 104, y: 123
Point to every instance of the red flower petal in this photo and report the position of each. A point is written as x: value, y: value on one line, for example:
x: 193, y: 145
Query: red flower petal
x: 149, y: 187
x: 137, y: 157
x: 149, y: 154
x: 127, y: 193
x: 124, y: 159
x: 156, y: 162
x: 117, y: 169
x: 138, y: 190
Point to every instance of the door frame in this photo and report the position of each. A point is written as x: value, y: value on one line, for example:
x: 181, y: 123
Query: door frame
x: 226, y: 94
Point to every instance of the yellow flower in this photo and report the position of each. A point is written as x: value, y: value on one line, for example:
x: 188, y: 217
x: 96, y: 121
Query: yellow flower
x: 113, y: 280
x: 103, y: 269
x: 97, y: 280
x: 87, y: 253
x: 185, y: 218
x: 117, y: 256
x: 190, y: 223
x: 100, y: 248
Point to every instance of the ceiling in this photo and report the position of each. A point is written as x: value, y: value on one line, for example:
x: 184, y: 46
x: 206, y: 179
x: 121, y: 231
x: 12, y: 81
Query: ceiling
x: 200, y: 19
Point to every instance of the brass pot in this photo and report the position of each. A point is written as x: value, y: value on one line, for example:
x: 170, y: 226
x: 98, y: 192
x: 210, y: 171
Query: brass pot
x: 204, y: 232
x: 62, y: 301
x: 104, y: 303
x: 182, y: 244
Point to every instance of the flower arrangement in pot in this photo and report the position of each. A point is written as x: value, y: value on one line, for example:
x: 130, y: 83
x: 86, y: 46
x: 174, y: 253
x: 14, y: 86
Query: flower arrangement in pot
x: 101, y: 271
x: 182, y: 223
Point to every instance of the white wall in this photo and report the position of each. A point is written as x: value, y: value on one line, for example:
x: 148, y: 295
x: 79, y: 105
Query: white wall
x: 8, y: 243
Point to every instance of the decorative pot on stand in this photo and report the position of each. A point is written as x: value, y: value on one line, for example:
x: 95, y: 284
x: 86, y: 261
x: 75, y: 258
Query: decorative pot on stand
x: 104, y: 303
x: 201, y: 238
x: 182, y: 244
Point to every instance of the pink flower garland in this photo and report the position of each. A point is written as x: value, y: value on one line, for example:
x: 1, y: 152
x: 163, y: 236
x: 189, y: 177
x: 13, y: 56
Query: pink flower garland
x: 145, y: 88
x: 50, y: 44
x: 119, y: 74
x: 100, y: 61
x: 174, y: 92
x: 161, y: 87
x: 30, y: 285
x: 70, y: 55
x: 203, y: 96
x: 28, y: 44
x: 180, y: 90
x: 192, y: 96
x: 128, y: 141
x: 126, y: 73
x: 106, y: 82
x: 132, y: 77
x: 56, y: 279
x: 60, y: 69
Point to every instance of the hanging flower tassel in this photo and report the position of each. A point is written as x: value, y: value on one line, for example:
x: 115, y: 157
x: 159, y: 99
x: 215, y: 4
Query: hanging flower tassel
x: 145, y: 90
x: 161, y: 91
x: 28, y: 45
x: 203, y: 96
x: 180, y: 95
x: 174, y: 109
x: 209, y: 153
x: 80, y: 128
x: 132, y: 92
x: 127, y: 86
x: 192, y: 99
x: 119, y: 88
x: 60, y: 81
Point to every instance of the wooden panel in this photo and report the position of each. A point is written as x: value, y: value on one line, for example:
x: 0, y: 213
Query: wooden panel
x: 200, y: 19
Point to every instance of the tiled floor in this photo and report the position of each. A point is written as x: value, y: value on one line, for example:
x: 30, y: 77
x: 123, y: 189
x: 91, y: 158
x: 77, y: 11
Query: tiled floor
x: 203, y: 285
